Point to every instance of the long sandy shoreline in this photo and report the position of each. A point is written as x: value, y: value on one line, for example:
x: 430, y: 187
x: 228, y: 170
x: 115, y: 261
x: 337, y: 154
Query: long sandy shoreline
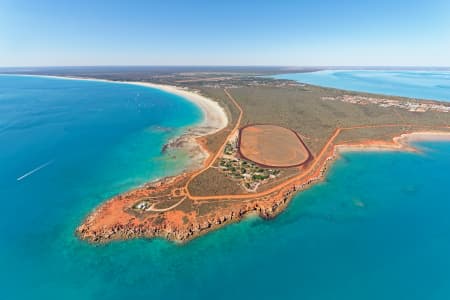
x: 214, y: 116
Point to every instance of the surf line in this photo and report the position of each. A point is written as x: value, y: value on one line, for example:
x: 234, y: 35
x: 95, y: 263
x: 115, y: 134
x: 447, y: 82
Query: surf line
x: 34, y: 170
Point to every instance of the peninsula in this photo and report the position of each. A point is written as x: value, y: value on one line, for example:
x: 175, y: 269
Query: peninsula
x: 262, y: 141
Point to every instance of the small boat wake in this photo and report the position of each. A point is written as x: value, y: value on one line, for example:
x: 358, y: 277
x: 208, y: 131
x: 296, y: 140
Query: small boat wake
x: 34, y: 170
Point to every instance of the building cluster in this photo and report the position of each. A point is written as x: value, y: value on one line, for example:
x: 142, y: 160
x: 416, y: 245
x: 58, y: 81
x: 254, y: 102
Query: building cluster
x: 249, y: 175
x: 413, y: 106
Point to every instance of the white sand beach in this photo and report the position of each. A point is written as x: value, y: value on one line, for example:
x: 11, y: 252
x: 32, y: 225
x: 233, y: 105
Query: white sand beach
x: 215, y: 117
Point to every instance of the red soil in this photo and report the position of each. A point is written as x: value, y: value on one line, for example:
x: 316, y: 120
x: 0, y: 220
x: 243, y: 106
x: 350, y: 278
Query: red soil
x: 272, y: 146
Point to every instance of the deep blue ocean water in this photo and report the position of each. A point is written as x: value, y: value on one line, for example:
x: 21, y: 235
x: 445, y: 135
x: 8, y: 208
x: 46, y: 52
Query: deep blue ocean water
x: 432, y: 85
x: 377, y: 228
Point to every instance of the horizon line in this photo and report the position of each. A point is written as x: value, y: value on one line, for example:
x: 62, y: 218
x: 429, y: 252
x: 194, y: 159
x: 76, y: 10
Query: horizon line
x: 225, y: 66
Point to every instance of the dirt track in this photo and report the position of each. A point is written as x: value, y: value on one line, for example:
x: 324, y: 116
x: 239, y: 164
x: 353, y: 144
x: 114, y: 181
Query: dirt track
x: 307, y: 172
x: 183, y: 220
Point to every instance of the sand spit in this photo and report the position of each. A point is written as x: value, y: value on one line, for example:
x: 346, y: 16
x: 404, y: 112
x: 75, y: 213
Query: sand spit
x: 399, y: 143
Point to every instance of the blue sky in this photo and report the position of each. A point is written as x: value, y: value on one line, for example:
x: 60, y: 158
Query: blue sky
x: 177, y: 32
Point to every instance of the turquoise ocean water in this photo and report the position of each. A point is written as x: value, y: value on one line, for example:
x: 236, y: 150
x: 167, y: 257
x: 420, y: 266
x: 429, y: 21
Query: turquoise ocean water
x: 377, y: 228
x: 432, y: 85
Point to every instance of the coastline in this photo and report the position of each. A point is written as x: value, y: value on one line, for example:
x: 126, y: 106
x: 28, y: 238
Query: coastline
x: 214, y: 116
x: 213, y: 120
x: 399, y: 143
x: 174, y: 229
x: 109, y: 220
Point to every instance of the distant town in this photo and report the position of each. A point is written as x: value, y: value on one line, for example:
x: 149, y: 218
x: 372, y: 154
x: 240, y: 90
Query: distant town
x: 412, y: 106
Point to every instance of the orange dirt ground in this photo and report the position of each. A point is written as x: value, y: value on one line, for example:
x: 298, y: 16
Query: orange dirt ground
x: 115, y: 219
x: 272, y: 146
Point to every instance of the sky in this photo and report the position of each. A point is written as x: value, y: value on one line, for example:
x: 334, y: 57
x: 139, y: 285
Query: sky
x: 225, y: 32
